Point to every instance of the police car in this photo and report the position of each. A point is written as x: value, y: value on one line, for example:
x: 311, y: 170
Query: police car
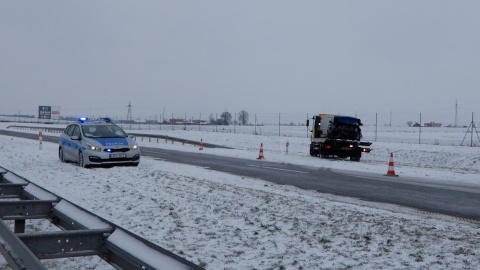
x: 91, y: 142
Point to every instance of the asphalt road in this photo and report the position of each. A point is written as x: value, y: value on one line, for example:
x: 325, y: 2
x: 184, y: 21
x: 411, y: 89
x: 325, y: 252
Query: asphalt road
x: 462, y: 202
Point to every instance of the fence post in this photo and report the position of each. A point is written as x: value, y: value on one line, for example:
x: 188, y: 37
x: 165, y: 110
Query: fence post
x: 279, y: 125
x: 420, y: 128
x: 40, y: 135
x: 471, y: 135
x: 307, y: 127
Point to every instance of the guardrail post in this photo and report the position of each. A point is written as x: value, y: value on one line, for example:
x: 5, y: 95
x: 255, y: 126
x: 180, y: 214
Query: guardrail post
x: 40, y: 135
x: 15, y: 252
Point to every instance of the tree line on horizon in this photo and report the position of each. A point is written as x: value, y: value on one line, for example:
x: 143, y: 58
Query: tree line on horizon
x: 226, y: 118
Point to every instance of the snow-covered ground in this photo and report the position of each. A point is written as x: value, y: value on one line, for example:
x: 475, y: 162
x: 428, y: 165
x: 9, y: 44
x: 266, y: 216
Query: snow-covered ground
x: 221, y: 221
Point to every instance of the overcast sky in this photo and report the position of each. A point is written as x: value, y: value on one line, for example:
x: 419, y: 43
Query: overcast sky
x: 93, y: 57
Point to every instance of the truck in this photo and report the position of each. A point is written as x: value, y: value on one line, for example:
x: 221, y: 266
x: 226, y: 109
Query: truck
x: 336, y: 135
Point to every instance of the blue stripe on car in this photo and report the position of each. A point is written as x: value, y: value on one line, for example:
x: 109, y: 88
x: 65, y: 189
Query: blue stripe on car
x: 112, y: 141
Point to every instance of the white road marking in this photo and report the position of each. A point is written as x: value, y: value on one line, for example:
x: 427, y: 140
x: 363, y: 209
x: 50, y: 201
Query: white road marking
x: 273, y: 168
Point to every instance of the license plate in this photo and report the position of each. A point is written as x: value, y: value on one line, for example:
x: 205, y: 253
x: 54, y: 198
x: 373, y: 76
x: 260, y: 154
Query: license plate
x: 120, y: 155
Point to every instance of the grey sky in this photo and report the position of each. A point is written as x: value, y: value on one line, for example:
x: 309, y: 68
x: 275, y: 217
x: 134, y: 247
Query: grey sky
x: 93, y: 57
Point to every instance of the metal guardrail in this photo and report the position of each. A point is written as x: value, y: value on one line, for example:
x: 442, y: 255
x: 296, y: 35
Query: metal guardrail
x: 82, y: 232
x: 140, y: 136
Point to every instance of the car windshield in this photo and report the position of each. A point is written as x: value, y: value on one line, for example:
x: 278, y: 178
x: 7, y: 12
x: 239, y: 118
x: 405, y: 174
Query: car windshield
x: 103, y: 131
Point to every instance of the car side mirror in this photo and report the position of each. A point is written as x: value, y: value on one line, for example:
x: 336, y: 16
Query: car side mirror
x: 75, y: 138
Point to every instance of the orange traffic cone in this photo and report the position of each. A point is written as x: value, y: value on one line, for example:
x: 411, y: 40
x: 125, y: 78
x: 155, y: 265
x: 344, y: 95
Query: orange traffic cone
x: 201, y: 145
x: 260, y: 155
x: 391, y: 169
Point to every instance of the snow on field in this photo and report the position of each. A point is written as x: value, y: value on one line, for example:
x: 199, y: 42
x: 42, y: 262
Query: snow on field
x: 221, y: 221
x: 438, y: 163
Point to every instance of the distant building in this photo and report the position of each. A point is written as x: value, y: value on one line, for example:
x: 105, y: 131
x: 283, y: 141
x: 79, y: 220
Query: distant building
x: 433, y: 124
x: 199, y: 122
x: 176, y: 121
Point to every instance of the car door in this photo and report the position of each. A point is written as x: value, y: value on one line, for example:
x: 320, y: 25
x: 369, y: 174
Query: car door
x: 69, y: 146
x: 74, y: 141
x: 65, y: 142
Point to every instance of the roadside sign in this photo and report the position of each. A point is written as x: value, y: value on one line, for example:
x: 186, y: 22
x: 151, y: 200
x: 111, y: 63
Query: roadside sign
x: 44, y: 112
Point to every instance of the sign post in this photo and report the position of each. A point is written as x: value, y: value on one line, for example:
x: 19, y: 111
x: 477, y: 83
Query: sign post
x: 40, y: 138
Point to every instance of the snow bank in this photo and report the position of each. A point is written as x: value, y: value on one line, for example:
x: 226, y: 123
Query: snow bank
x: 221, y: 221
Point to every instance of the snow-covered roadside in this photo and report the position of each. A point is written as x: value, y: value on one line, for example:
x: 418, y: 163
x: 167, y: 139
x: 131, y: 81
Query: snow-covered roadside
x: 456, y: 165
x: 449, y: 164
x: 222, y: 221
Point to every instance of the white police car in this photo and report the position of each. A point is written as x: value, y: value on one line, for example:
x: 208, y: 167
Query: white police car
x: 93, y: 142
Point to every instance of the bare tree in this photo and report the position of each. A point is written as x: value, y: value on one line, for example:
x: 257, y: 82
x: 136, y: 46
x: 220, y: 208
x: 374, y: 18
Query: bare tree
x: 243, y: 117
x: 409, y: 123
x: 226, y: 118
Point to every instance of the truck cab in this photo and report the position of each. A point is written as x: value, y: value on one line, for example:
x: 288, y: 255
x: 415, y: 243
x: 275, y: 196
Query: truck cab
x: 335, y: 135
x: 321, y: 124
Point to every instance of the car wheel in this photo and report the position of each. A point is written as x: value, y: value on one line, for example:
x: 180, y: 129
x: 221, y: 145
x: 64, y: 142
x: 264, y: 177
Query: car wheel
x: 60, y: 154
x: 81, y: 160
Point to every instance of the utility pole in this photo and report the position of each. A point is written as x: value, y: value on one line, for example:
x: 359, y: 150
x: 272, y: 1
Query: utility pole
x: 163, y: 115
x: 472, y: 125
x: 456, y: 113
x: 129, y: 113
x: 390, y: 118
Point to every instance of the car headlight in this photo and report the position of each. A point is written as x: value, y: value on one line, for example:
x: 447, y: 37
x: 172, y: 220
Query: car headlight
x: 134, y: 147
x: 92, y: 147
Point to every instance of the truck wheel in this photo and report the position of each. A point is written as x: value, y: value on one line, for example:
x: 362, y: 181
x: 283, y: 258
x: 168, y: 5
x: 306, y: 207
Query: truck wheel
x: 312, y: 151
x: 354, y: 158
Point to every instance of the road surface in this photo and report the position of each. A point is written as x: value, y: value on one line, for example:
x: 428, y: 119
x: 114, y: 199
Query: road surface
x: 444, y: 199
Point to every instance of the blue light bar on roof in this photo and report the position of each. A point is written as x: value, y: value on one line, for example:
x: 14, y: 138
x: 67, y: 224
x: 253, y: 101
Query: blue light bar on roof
x: 82, y: 119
